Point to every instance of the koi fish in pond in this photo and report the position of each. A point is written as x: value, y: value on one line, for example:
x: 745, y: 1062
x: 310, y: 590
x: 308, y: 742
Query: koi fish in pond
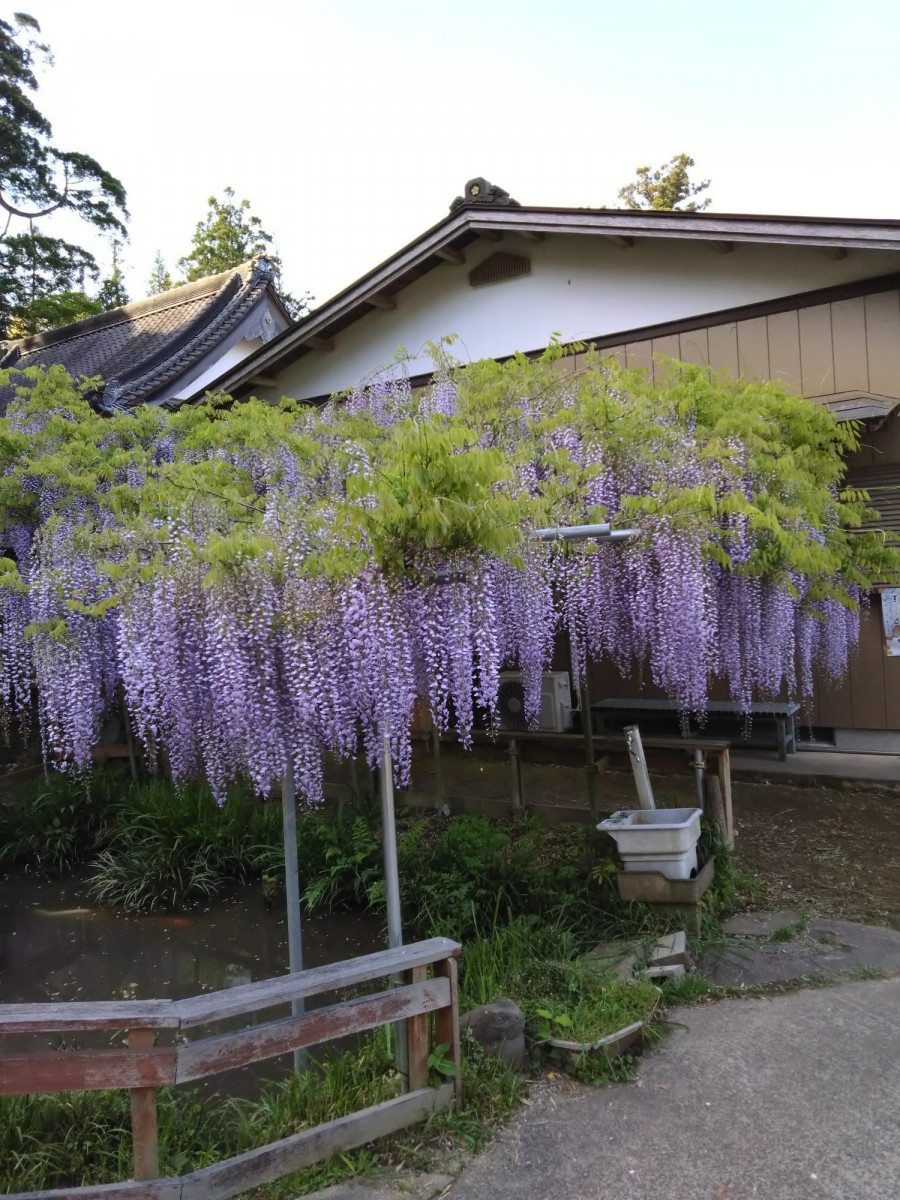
x: 158, y: 920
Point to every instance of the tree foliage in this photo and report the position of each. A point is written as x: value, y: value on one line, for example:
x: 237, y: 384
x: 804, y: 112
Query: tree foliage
x: 50, y: 312
x: 668, y: 187
x: 268, y: 583
x: 229, y: 235
x: 160, y: 280
x: 113, y: 293
x: 38, y: 178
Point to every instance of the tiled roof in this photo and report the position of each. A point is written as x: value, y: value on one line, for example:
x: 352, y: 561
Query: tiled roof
x: 138, y: 349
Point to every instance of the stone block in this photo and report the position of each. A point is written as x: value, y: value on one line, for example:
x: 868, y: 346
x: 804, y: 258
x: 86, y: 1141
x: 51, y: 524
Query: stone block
x: 499, y: 1027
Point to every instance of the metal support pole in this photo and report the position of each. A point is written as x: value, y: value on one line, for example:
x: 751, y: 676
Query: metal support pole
x: 639, y: 766
x: 292, y: 890
x: 392, y: 888
x: 699, y: 772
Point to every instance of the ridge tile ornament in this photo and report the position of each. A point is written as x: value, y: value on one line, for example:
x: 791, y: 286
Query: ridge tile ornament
x: 480, y: 191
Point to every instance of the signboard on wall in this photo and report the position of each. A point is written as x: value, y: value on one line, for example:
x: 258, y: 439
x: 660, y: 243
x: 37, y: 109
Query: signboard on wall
x: 890, y: 615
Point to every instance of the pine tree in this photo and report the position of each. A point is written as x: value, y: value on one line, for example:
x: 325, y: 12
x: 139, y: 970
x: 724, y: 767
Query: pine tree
x: 160, y: 280
x: 37, y: 178
x: 112, y: 292
x: 227, y: 236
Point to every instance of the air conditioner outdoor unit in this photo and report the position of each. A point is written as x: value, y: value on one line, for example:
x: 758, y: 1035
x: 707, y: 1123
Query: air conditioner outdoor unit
x: 556, y: 701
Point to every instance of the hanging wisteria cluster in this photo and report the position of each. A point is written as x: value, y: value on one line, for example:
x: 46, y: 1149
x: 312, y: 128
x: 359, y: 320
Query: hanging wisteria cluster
x: 261, y: 585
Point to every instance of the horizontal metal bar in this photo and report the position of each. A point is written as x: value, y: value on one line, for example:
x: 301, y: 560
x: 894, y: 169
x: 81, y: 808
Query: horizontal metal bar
x: 580, y: 533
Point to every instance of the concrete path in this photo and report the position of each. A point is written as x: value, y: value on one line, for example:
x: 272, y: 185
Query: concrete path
x: 819, y: 767
x: 796, y: 1097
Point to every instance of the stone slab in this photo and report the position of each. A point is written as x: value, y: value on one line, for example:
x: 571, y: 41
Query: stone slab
x: 760, y: 924
x: 826, y: 948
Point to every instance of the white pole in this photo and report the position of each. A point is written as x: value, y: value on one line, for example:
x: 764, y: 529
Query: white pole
x: 392, y: 887
x: 292, y: 890
x: 639, y: 766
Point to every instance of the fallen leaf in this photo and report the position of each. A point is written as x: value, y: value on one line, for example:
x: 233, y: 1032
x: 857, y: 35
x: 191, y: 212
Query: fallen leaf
x: 722, y: 1193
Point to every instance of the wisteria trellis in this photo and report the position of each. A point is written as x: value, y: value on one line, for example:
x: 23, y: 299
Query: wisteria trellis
x: 264, y: 584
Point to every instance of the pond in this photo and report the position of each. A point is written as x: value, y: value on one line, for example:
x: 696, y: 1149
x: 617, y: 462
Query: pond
x: 55, y: 944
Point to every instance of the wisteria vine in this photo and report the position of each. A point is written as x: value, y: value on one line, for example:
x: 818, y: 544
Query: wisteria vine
x: 262, y: 585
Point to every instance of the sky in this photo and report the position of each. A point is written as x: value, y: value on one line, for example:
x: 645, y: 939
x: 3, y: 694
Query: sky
x: 351, y: 126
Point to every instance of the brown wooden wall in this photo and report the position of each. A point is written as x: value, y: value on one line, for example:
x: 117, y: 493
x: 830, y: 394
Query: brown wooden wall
x: 820, y: 350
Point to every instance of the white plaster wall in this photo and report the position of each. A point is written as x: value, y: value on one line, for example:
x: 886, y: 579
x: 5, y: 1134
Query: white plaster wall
x: 263, y: 323
x: 231, y: 358
x: 579, y: 287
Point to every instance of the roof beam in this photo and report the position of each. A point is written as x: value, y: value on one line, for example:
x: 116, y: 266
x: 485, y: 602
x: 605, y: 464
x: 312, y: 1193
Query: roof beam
x: 263, y: 381
x: 492, y: 235
x: 319, y: 343
x: 451, y: 255
x: 531, y: 235
x: 722, y: 247
x: 620, y: 239
x: 381, y: 300
x: 837, y: 252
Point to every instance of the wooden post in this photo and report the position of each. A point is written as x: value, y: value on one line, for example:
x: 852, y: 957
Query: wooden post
x: 590, y: 764
x: 446, y: 1024
x: 417, y: 1036
x: 515, y: 774
x: 144, y: 1133
x: 714, y: 806
x: 725, y: 785
x: 438, y: 769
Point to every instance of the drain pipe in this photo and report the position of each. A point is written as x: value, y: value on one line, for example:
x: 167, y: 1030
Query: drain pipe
x: 639, y: 766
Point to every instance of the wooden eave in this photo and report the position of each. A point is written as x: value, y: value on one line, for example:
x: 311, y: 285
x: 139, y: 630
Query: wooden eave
x: 469, y: 222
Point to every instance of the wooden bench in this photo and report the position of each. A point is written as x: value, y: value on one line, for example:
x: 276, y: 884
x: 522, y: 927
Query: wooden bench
x: 142, y: 1066
x: 782, y: 714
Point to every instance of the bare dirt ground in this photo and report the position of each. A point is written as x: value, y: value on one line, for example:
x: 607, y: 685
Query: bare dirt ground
x: 831, y: 851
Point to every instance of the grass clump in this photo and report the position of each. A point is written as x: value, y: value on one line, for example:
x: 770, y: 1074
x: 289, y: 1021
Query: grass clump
x: 84, y: 1138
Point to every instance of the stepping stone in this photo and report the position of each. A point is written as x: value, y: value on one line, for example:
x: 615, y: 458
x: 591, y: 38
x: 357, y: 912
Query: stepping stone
x: 669, y: 971
x: 826, y: 948
x: 760, y: 924
x: 671, y: 948
x: 615, y: 958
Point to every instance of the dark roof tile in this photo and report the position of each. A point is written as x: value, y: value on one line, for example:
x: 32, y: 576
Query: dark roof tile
x: 138, y: 349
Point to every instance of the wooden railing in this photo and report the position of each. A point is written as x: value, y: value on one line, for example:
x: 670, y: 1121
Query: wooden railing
x: 142, y: 1066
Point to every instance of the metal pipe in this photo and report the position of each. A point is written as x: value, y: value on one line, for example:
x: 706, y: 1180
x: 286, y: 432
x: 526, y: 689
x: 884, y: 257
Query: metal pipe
x: 639, y: 766
x: 699, y: 772
x: 392, y: 887
x: 292, y: 891
x: 579, y: 533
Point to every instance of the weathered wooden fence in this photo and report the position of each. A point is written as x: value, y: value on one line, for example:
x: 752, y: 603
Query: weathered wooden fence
x: 141, y: 1066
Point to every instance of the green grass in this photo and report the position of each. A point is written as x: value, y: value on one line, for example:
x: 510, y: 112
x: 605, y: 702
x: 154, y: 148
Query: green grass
x: 84, y: 1138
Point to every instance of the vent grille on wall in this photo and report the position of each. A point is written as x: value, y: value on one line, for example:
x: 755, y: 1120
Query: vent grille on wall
x: 499, y: 267
x: 883, y: 486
